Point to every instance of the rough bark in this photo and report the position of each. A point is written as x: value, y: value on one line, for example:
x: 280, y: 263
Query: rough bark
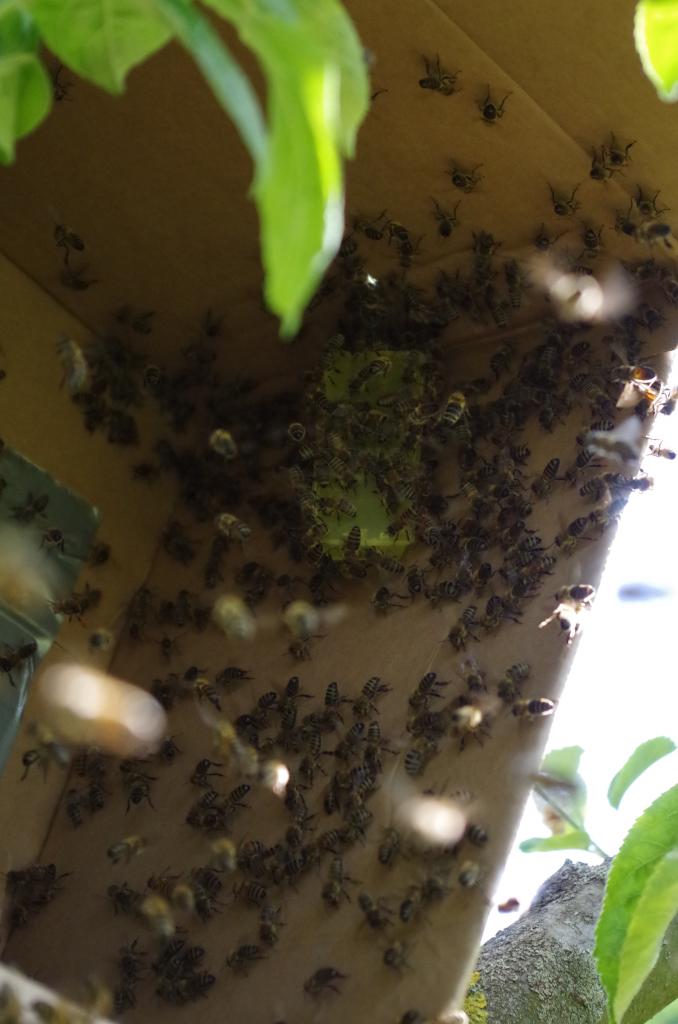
x: 541, y: 969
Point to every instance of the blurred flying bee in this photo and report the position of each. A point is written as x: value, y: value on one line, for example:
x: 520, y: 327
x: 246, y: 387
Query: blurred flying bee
x: 537, y: 707
x: 323, y: 979
x: 156, y: 912
x: 473, y: 677
x: 564, y: 205
x: 74, y: 278
x: 395, y: 957
x: 490, y: 111
x: 47, y: 750
x: 509, y: 906
x: 469, y: 874
x: 469, y: 720
x: 223, y: 854
x: 621, y: 444
x: 233, y: 617
x: 74, y: 363
x: 99, y: 640
x: 221, y: 441
x: 438, y: 79
x: 125, y: 849
x: 660, y: 452
x: 465, y: 181
x: 573, y: 601
x: 447, y: 219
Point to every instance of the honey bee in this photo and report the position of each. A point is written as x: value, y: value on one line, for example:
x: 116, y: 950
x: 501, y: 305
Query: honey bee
x: 472, y: 675
x: 241, y: 959
x: 572, y: 603
x: 461, y: 631
x: 660, y: 452
x: 437, y: 79
x: 13, y: 658
x: 378, y: 915
x: 646, y: 204
x: 542, y: 484
x: 322, y: 979
x: 221, y: 441
x: 232, y: 528
x: 373, y: 228
x: 490, y: 111
x: 564, y: 205
x: 389, y: 847
x: 233, y: 617
x: 465, y: 181
x: 125, y: 849
x: 124, y: 899
x: 537, y: 707
x: 33, y: 506
x: 592, y: 239
x: 74, y: 363
x: 447, y: 219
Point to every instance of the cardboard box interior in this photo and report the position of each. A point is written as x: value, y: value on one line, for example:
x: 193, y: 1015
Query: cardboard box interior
x: 155, y: 184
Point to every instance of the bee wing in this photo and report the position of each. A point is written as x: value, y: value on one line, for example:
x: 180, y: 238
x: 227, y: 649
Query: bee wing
x: 628, y: 398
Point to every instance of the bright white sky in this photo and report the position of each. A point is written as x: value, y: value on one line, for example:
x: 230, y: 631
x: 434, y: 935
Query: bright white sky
x: 623, y: 686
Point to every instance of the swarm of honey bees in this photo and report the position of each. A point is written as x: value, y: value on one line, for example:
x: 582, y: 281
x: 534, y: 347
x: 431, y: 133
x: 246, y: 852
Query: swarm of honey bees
x: 387, y: 481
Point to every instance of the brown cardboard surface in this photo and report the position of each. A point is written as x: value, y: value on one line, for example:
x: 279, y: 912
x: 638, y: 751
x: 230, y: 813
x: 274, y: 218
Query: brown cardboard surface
x: 155, y: 183
x: 39, y: 420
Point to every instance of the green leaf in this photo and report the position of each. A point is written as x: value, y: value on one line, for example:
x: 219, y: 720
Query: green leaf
x: 565, y: 787
x: 653, y: 913
x: 656, y: 39
x: 669, y: 1015
x: 102, y: 40
x: 573, y: 840
x: 228, y: 82
x: 317, y: 97
x: 652, y: 837
x: 640, y: 760
x: 25, y: 87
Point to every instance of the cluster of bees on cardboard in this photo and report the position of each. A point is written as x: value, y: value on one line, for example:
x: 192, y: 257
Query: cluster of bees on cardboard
x: 379, y: 409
